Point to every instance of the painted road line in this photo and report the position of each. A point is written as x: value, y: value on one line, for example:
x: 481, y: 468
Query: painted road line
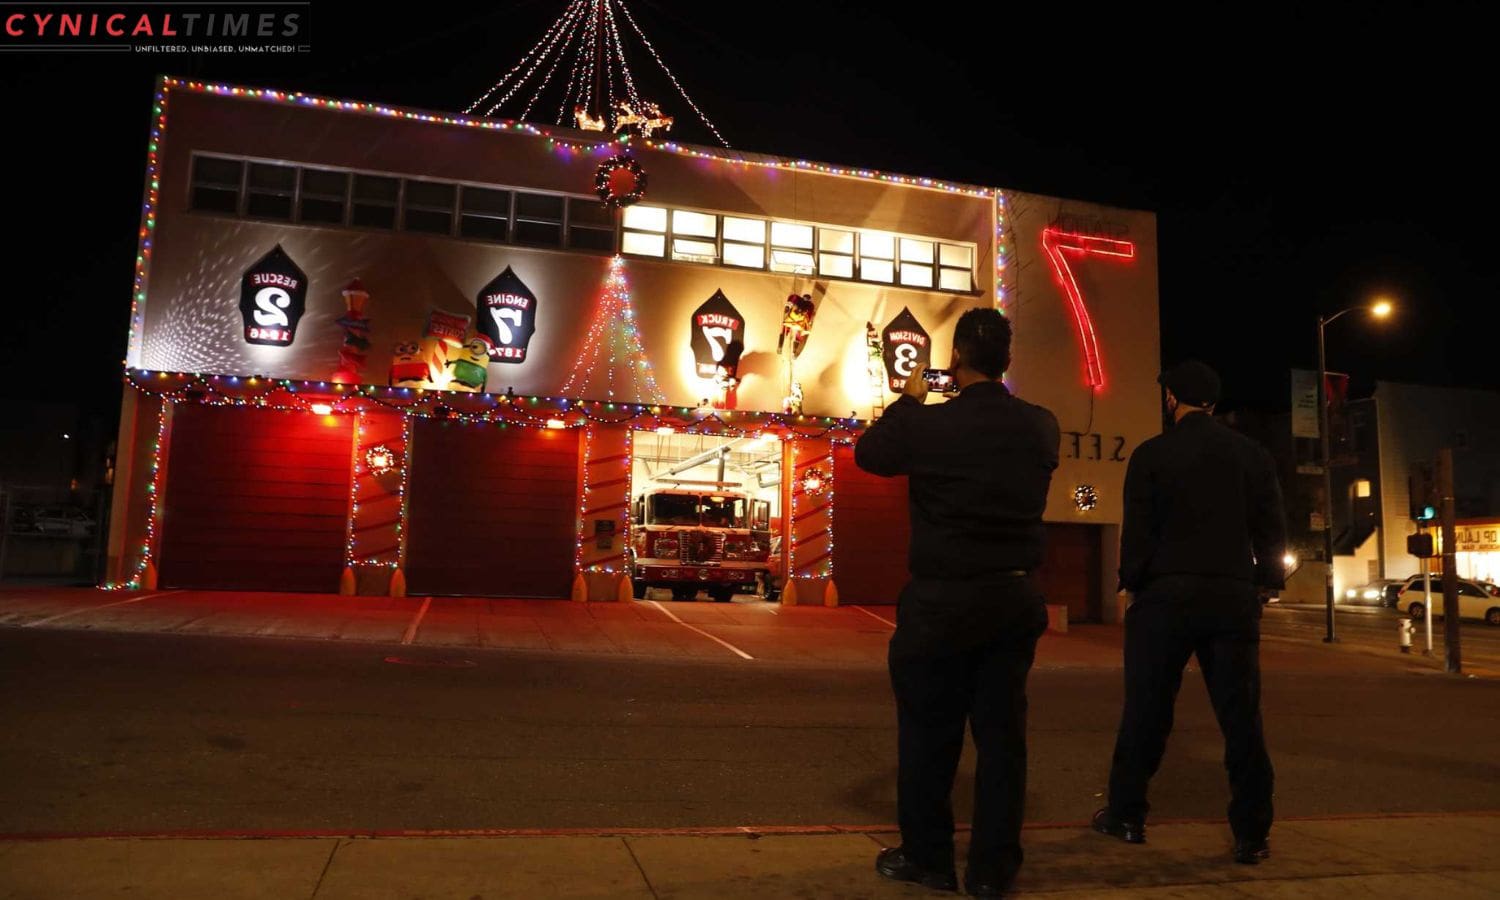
x: 873, y: 616
x: 85, y: 609
x: 411, y: 630
x: 742, y: 654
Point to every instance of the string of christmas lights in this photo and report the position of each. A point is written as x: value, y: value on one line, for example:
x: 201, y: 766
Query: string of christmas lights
x: 153, y: 492
x: 556, y: 24
x: 566, y: 34
x: 358, y: 468
x: 619, y: 48
x: 613, y: 334
x: 562, y: 54
x: 675, y: 83
x: 148, y: 220
x: 601, y: 43
x: 330, y: 398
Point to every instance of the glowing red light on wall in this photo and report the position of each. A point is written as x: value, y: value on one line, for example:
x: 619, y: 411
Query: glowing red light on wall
x: 1059, y: 245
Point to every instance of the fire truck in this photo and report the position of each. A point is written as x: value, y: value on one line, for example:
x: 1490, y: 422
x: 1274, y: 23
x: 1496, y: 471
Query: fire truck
x: 690, y: 539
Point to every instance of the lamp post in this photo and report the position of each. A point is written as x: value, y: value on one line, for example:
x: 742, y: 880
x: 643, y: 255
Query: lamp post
x: 1380, y: 309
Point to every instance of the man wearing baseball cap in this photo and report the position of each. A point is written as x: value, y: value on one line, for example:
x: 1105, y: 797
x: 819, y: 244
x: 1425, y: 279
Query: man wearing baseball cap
x: 1201, y: 549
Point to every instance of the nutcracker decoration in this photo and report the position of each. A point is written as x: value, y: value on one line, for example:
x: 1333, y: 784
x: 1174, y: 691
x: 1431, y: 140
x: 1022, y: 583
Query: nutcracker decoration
x: 356, y: 334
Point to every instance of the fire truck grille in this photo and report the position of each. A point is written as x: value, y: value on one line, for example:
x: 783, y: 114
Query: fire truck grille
x: 702, y: 546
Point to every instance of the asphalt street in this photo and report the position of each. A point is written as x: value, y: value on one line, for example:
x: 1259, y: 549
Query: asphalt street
x: 110, y: 732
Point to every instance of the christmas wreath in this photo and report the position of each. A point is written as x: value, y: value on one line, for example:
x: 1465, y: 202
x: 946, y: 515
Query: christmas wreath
x: 620, y: 181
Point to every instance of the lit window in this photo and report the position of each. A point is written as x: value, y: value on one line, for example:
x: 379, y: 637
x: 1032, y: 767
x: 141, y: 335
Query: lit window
x: 646, y: 218
x: 690, y: 250
x: 957, y: 256
x: 795, y: 237
x: 956, y: 280
x: 645, y: 231
x: 913, y: 275
x: 956, y: 267
x: 750, y: 231
x: 835, y: 253
x: 791, y: 248
x: 916, y: 251
x: 836, y: 266
x: 882, y: 270
x: 794, y: 261
x: 877, y: 245
x: 745, y: 242
x: 751, y: 256
x: 638, y: 243
x: 691, y: 224
x: 877, y: 255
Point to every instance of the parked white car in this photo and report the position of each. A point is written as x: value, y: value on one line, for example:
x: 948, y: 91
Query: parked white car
x: 1475, y: 601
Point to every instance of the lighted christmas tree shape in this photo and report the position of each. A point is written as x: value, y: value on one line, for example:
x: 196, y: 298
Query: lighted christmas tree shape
x: 612, y: 348
x: 600, y: 91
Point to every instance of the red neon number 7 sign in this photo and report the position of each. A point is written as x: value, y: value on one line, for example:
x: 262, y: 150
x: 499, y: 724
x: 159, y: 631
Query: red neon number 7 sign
x: 1060, y: 245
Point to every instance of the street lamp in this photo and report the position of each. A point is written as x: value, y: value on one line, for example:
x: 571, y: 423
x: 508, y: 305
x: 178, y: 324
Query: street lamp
x: 1380, y: 309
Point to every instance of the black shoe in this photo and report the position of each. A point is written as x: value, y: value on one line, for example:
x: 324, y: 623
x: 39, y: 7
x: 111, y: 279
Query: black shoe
x: 1106, y: 822
x: 893, y: 863
x: 991, y: 889
x: 1250, y: 853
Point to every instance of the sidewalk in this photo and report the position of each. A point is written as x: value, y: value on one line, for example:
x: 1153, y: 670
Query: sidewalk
x: 452, y: 628
x: 1422, y: 856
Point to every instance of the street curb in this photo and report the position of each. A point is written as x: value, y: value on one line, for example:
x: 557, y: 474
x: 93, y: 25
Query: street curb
x: 750, y: 831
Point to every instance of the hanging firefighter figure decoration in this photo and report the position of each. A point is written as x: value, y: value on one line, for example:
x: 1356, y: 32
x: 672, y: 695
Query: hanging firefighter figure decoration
x: 875, y: 369
x: 796, y: 323
x: 727, y: 376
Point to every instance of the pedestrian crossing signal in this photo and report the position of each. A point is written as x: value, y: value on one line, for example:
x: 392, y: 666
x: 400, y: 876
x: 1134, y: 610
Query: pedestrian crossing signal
x: 1420, y: 546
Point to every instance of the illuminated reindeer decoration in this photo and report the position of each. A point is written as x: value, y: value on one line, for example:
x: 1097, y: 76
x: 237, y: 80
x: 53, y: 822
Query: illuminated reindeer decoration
x: 649, y: 119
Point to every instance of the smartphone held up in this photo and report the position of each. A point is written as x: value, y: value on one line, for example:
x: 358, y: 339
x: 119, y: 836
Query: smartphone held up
x: 940, y: 380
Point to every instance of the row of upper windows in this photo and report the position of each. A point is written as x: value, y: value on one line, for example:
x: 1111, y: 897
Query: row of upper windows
x: 287, y: 193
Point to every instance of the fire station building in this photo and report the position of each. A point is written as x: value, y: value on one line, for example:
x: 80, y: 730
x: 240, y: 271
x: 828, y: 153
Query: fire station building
x: 379, y: 350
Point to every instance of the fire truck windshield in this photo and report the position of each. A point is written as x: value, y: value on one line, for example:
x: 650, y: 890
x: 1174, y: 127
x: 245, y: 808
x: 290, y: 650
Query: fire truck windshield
x: 724, y: 512
x: 715, y: 511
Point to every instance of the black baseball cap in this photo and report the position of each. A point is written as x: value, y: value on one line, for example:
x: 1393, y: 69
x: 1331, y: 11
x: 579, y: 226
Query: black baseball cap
x: 1192, y: 382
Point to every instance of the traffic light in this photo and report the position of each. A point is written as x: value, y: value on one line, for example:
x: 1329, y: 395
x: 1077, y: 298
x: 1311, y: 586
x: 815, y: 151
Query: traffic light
x: 1422, y: 492
x: 1420, y: 546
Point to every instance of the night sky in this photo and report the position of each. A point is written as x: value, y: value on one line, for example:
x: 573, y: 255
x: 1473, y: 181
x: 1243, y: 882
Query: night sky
x: 1296, y: 165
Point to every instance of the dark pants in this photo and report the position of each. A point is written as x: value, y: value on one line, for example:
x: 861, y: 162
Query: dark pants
x: 1218, y: 620
x: 961, y: 653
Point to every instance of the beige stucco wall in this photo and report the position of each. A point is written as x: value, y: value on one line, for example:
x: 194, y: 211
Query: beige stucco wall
x: 192, y: 322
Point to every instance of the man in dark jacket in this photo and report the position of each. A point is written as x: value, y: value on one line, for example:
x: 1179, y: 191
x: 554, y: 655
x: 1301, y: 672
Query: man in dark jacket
x: 1201, y: 549
x: 969, y: 619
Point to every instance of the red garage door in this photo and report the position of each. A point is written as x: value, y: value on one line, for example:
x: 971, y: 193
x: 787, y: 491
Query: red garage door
x: 870, y: 532
x: 491, y: 511
x: 1071, y: 570
x: 256, y: 499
